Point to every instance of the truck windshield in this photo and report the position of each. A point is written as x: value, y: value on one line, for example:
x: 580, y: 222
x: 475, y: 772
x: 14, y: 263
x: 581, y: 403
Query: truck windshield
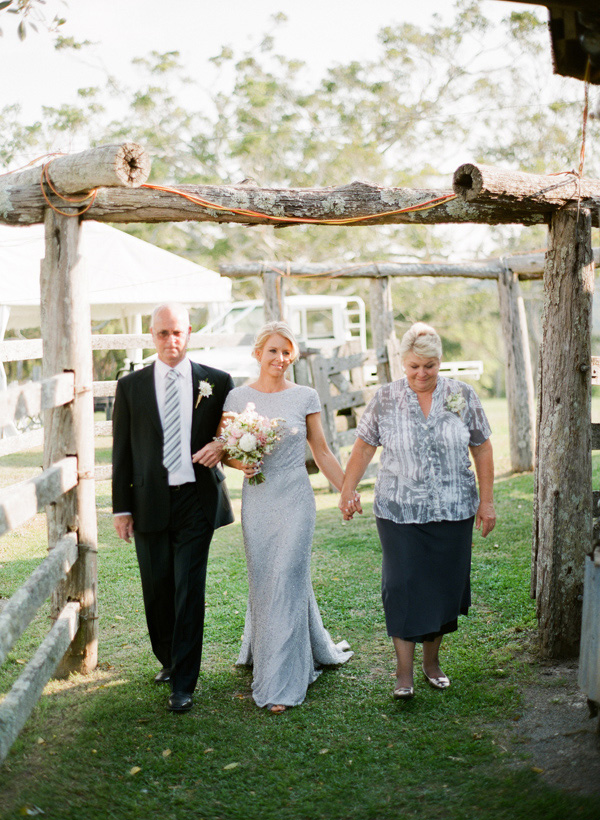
x: 319, y: 324
x: 241, y: 320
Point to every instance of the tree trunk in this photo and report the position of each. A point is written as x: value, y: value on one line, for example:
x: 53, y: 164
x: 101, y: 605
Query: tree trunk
x: 563, y: 493
x: 519, y: 377
x: 69, y: 430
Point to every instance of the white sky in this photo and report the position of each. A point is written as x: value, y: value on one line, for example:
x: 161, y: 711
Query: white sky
x: 320, y: 32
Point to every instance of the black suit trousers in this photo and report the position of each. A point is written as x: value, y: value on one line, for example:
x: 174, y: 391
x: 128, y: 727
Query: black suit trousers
x: 173, y: 565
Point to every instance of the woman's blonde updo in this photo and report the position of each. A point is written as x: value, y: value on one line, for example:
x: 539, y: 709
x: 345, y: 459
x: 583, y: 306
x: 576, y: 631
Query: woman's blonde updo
x: 270, y: 329
x: 423, y: 341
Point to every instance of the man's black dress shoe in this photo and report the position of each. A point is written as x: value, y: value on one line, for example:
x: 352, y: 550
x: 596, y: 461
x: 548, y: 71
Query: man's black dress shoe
x: 164, y: 676
x: 180, y: 702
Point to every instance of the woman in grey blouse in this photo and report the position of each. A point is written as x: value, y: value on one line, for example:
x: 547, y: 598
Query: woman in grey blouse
x: 426, y: 500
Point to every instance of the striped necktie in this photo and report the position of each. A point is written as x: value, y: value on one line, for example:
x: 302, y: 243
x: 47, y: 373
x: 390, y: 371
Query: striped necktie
x: 172, y: 423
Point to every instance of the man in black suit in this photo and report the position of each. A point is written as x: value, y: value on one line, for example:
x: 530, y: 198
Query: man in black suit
x: 169, y: 492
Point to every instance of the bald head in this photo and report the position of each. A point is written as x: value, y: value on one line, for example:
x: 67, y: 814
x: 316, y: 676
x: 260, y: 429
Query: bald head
x: 170, y: 328
x: 174, y: 308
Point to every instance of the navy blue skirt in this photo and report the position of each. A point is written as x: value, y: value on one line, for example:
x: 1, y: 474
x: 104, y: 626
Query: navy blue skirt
x: 425, y: 582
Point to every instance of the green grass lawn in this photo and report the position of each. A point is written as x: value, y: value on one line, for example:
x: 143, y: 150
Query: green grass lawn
x: 106, y: 747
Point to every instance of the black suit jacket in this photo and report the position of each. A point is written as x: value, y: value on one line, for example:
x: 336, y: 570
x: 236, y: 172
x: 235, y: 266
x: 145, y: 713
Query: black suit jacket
x: 140, y: 480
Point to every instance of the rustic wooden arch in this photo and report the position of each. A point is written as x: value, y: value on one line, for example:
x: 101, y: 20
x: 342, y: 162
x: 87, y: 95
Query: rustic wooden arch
x: 563, y: 508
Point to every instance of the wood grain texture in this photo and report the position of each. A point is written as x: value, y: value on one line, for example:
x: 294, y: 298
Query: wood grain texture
x: 563, y: 485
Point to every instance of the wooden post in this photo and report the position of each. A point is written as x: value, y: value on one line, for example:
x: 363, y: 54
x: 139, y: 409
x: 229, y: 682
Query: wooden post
x: 519, y: 377
x: 382, y: 329
x: 69, y: 430
x: 273, y: 291
x: 563, y: 488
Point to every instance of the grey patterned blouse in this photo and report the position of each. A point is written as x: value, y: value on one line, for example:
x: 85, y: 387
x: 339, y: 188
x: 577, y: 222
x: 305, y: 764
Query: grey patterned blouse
x: 424, y: 472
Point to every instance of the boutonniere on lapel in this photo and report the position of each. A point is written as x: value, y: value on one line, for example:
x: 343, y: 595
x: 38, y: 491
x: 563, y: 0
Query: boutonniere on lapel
x: 205, y: 390
x: 456, y: 403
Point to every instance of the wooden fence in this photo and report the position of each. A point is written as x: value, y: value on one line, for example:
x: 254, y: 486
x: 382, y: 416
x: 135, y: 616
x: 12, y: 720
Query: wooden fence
x: 18, y: 504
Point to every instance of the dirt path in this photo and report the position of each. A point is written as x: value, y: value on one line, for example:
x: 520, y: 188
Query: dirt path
x: 555, y: 729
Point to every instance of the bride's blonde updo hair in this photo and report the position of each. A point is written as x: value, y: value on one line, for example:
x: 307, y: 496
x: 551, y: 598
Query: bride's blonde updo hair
x: 422, y: 340
x: 270, y: 329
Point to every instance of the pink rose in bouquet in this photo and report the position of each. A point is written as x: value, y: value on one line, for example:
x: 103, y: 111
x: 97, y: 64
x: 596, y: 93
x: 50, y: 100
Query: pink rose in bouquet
x: 248, y: 437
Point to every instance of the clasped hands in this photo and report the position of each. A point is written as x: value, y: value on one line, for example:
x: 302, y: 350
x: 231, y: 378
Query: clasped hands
x: 210, y: 455
x: 349, y: 504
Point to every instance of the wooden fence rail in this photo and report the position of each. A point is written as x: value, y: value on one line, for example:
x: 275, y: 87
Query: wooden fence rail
x: 15, y: 350
x: 21, y: 442
x: 21, y: 608
x: 20, y: 502
x: 19, y: 702
x: 20, y: 350
x: 32, y: 398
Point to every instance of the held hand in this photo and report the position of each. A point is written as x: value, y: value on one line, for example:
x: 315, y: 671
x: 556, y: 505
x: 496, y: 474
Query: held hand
x: 210, y: 455
x: 124, y: 527
x: 250, y: 470
x: 349, y: 504
x: 486, y: 518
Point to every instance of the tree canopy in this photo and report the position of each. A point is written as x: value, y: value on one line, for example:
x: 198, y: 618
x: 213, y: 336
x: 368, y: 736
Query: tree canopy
x: 431, y: 98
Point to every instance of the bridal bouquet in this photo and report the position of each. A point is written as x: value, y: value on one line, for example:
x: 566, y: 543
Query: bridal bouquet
x: 248, y: 437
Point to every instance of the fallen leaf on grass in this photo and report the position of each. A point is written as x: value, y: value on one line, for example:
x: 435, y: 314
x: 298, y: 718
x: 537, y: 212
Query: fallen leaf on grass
x: 231, y: 766
x: 135, y: 770
x: 166, y: 753
x: 206, y: 751
x: 20, y: 660
x: 30, y: 811
x: 324, y: 751
x: 40, y: 740
x: 537, y: 770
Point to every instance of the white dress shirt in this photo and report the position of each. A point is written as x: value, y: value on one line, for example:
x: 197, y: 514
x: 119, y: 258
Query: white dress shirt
x: 185, y: 472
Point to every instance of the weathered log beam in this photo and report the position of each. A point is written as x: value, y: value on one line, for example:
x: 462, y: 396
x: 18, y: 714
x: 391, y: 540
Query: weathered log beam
x: 503, y: 188
x: 373, y: 270
x: 358, y: 199
x: 526, y: 266
x: 107, y: 168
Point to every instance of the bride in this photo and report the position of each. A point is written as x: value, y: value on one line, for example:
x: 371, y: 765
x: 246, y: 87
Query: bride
x: 284, y: 637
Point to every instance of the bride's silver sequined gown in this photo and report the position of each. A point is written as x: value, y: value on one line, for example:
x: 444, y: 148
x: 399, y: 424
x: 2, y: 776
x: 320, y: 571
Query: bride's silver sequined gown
x: 284, y: 637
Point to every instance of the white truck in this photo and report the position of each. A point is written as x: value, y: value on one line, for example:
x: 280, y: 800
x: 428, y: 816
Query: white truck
x: 324, y: 323
x: 319, y: 322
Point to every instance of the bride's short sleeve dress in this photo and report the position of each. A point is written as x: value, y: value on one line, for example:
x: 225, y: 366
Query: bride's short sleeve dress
x: 284, y: 637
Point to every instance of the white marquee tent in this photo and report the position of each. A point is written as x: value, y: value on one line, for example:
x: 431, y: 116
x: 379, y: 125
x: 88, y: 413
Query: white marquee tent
x: 127, y: 277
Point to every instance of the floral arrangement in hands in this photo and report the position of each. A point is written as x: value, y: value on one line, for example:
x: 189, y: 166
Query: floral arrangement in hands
x: 248, y: 437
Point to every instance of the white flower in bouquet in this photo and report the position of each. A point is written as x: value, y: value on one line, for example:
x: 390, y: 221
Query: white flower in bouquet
x: 248, y: 442
x: 248, y: 437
